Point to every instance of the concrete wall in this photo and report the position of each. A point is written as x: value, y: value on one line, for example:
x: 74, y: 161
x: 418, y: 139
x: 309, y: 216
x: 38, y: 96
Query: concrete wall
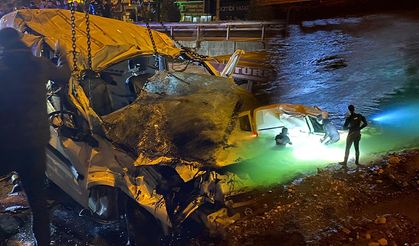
x: 215, y: 48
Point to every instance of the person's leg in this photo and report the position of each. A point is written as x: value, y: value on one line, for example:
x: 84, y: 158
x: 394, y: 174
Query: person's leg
x: 356, y: 145
x: 349, y: 141
x: 32, y: 173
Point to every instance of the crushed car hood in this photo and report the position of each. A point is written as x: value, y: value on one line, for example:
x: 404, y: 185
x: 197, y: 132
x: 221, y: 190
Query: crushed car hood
x: 179, y: 117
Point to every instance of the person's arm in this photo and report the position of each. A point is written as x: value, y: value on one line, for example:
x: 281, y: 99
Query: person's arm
x: 346, y: 124
x: 59, y: 74
x: 288, y: 141
x: 364, y: 122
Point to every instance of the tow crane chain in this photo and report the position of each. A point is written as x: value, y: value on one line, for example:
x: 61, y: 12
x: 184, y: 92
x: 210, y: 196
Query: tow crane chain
x: 89, y: 38
x: 194, y: 55
x: 188, y: 50
x: 150, y: 34
x: 89, y: 71
x: 73, y: 36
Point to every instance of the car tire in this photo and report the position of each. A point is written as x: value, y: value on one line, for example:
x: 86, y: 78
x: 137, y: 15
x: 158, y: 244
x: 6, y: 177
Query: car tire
x: 142, y: 227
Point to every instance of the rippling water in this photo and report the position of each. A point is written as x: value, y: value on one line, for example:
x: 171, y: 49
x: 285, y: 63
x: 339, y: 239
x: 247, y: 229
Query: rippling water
x: 369, y: 61
x: 363, y: 61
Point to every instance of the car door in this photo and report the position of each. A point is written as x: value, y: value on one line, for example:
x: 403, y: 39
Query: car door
x: 67, y: 161
x: 316, y: 129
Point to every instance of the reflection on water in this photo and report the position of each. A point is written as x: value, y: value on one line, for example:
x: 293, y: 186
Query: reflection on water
x: 371, y: 62
x: 333, y: 63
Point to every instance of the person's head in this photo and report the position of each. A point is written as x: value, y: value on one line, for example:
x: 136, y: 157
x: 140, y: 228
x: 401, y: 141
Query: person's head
x: 10, y: 38
x: 284, y: 130
x: 324, y: 116
x: 351, y: 109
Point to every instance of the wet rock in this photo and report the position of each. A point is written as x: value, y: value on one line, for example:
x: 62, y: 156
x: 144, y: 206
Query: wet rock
x: 380, y: 220
x: 15, y: 209
x: 332, y: 62
x: 394, y: 160
x: 383, y: 242
x: 248, y: 211
x: 346, y: 230
x: 9, y: 225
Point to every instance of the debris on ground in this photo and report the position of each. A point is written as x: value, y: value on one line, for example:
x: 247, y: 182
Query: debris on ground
x: 360, y: 205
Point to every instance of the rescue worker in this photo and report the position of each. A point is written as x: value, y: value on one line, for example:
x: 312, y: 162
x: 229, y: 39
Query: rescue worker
x: 331, y: 134
x: 282, y: 139
x: 24, y: 129
x: 354, y: 123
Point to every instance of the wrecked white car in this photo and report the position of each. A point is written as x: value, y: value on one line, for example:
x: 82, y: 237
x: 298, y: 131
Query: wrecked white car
x: 303, y: 122
x: 130, y: 137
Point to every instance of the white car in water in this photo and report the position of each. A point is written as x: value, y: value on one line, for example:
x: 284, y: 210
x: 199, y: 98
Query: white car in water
x: 303, y: 122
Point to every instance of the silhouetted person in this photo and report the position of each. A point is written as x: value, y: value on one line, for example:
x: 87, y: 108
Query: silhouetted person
x: 24, y: 129
x: 282, y: 139
x: 354, y: 123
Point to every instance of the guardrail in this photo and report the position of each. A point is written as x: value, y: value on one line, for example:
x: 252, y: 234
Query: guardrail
x: 219, y: 30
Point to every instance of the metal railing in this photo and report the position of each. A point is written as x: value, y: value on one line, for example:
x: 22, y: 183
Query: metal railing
x: 219, y: 30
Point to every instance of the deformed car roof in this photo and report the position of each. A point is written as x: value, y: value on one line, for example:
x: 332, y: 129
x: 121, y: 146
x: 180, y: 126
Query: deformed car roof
x: 293, y: 109
x: 112, y: 40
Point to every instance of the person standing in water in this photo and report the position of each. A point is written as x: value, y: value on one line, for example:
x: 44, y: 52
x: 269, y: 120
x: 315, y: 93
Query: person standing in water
x: 354, y: 123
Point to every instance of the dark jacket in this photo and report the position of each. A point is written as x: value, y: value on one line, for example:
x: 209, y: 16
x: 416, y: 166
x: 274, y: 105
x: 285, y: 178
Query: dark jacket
x: 355, y: 123
x: 23, y: 112
x: 282, y: 139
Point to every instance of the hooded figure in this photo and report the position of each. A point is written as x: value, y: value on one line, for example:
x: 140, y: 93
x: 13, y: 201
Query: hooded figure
x: 24, y: 130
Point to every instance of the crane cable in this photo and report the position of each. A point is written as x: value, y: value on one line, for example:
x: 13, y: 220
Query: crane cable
x: 81, y: 75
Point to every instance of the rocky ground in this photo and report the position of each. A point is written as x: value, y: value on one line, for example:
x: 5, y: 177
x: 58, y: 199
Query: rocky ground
x: 370, y: 205
x: 365, y: 205
x: 68, y: 225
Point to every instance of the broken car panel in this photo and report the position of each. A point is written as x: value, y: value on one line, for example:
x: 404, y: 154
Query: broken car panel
x: 129, y: 124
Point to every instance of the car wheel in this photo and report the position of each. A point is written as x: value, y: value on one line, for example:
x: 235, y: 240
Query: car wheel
x: 143, y: 228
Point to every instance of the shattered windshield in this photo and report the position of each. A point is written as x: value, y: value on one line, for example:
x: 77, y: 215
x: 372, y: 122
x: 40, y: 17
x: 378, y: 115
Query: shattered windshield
x: 120, y: 84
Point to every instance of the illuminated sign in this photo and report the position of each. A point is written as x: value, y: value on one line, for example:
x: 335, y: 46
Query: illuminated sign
x: 232, y: 9
x: 191, y: 7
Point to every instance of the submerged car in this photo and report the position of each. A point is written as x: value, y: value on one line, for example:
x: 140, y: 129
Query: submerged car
x: 131, y: 138
x: 303, y: 122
